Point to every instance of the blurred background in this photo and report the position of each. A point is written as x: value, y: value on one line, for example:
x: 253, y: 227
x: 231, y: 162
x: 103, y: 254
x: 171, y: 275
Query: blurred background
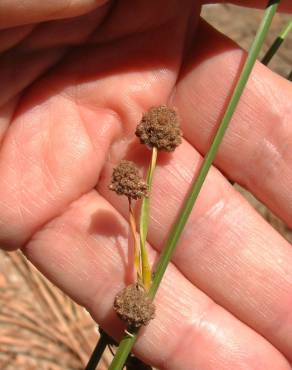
x: 42, y: 329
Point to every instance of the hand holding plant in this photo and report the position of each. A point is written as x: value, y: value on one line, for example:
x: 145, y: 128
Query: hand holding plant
x: 226, y: 296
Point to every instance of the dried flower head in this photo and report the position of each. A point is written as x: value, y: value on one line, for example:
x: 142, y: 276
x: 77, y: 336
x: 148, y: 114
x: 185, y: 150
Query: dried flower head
x: 133, y: 306
x: 126, y: 180
x: 159, y: 128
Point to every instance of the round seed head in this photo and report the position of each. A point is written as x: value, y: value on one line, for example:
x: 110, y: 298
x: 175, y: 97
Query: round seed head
x: 133, y: 306
x: 160, y: 128
x: 126, y: 180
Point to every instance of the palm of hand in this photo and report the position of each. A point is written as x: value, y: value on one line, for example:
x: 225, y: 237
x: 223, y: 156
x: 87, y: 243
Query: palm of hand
x: 62, y: 135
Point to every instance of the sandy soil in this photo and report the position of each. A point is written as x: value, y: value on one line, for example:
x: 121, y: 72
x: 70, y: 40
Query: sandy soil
x: 240, y: 24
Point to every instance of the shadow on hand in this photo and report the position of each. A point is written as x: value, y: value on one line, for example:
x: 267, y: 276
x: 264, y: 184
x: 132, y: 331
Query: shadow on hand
x: 107, y: 223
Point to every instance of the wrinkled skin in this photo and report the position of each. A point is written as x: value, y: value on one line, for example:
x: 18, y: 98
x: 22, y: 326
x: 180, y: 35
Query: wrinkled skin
x: 76, y: 77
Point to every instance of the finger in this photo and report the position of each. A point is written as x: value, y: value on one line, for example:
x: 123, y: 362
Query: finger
x: 227, y: 249
x: 48, y: 146
x: 49, y: 157
x: 256, y: 151
x: 124, y: 22
x: 55, y: 147
x: 40, y: 49
x: 18, y: 70
x: 285, y: 5
x: 16, y: 12
x: 83, y: 252
x: 6, y: 113
x: 12, y: 36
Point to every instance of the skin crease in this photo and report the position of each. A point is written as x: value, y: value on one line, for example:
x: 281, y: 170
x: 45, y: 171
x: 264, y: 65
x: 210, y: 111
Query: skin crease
x: 69, y: 117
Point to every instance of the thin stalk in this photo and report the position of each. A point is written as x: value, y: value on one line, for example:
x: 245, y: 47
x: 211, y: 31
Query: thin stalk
x: 137, y: 255
x: 128, y: 341
x: 97, y: 353
x: 277, y: 43
x: 144, y: 223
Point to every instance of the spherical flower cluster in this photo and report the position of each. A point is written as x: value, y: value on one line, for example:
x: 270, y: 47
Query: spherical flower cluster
x: 160, y: 128
x: 127, y: 181
x: 133, y: 306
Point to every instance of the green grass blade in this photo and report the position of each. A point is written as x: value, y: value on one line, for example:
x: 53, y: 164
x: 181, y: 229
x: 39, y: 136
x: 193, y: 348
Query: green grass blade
x: 97, y: 353
x: 277, y: 43
x: 144, y: 223
x: 128, y: 341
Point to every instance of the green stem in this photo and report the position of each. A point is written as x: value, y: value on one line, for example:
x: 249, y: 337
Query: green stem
x: 97, y: 353
x: 133, y: 230
x: 128, y: 341
x: 277, y: 43
x: 144, y: 223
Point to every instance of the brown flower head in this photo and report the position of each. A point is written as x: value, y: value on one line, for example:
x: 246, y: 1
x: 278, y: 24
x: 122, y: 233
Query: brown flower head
x: 126, y: 180
x: 159, y: 128
x: 133, y: 306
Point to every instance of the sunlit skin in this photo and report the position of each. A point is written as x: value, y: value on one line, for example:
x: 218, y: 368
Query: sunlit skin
x: 72, y: 93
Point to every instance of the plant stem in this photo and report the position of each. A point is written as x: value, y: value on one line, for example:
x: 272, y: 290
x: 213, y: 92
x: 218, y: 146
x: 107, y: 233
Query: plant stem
x: 144, y: 223
x: 277, y: 43
x: 128, y: 341
x: 97, y: 353
x: 137, y: 255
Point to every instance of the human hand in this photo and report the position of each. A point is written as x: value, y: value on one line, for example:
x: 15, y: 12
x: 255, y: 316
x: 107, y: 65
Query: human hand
x: 225, y: 301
